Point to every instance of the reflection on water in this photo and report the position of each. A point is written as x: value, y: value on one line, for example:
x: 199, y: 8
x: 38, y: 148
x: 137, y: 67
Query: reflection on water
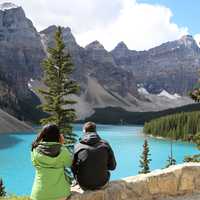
x: 8, y: 140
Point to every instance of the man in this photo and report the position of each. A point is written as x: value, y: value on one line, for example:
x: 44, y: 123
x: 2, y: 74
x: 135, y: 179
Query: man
x: 93, y: 158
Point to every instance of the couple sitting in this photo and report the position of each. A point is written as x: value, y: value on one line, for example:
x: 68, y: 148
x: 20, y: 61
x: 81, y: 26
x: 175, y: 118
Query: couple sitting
x: 92, y: 160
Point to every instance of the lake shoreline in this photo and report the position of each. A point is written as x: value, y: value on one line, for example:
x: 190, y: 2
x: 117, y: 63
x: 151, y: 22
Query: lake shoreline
x: 168, y: 139
x: 126, y: 142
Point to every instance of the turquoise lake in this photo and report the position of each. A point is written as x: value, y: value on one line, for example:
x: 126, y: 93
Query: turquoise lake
x: 126, y: 141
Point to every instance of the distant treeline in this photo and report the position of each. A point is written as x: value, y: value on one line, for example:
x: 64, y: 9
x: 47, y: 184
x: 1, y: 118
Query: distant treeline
x: 115, y: 115
x: 183, y: 126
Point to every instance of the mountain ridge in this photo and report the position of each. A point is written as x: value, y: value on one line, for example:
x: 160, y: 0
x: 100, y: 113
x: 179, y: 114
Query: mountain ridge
x: 106, y: 78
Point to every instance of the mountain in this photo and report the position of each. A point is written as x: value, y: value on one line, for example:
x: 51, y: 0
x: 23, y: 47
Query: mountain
x: 171, y: 66
x: 21, y: 53
x: 115, y: 115
x: 9, y: 124
x: 107, y: 79
x: 102, y: 82
x: 93, y: 61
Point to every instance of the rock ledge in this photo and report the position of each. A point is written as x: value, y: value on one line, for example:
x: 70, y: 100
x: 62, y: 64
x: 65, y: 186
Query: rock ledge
x: 174, y: 181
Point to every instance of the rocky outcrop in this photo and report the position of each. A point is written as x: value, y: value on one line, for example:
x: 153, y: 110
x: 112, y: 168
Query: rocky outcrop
x: 172, y: 66
x: 122, y: 55
x: 21, y: 48
x: 171, y: 182
x: 21, y: 53
x: 77, y: 52
x: 9, y: 124
x: 96, y: 53
x: 102, y: 82
x: 95, y: 62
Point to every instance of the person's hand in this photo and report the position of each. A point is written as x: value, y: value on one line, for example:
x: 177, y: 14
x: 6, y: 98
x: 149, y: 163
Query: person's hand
x: 62, y: 139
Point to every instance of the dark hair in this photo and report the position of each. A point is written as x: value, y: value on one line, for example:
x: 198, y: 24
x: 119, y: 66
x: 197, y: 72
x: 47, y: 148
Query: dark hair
x: 49, y: 133
x: 89, y: 127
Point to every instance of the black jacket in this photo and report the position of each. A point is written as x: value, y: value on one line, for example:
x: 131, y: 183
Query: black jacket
x: 93, y: 158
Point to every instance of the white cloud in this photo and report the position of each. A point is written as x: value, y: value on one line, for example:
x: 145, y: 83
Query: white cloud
x: 197, y: 38
x: 80, y: 15
x: 139, y: 25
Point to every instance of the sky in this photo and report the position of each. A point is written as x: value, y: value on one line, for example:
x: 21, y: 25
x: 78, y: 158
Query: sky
x: 141, y: 24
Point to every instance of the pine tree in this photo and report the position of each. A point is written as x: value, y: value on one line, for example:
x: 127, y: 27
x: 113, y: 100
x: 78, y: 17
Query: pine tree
x: 183, y: 126
x: 197, y: 140
x: 59, y: 89
x: 194, y: 158
x: 195, y: 95
x: 170, y: 161
x: 2, y: 189
x: 144, y: 159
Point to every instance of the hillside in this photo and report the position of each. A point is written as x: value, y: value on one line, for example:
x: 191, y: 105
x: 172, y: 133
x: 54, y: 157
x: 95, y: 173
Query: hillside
x: 184, y: 125
x: 112, y: 115
x: 21, y: 53
x: 104, y: 83
x: 9, y: 124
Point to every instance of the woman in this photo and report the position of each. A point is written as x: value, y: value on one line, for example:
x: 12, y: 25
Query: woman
x: 50, y: 157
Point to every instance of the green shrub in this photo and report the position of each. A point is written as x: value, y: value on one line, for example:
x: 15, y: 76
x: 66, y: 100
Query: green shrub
x: 2, y: 189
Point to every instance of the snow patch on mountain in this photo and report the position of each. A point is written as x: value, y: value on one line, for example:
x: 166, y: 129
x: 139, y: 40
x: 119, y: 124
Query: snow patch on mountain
x: 177, y: 95
x: 31, y: 85
x: 8, y: 6
x: 142, y: 90
x: 166, y: 94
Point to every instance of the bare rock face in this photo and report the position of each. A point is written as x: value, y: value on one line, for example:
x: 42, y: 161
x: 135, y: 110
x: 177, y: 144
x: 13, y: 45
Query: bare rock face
x: 49, y: 33
x: 122, y: 55
x: 21, y: 51
x: 8, y: 97
x: 97, y: 53
x: 10, y: 124
x: 94, y: 61
x: 171, y: 66
x: 104, y: 69
x: 21, y: 48
x: 48, y: 36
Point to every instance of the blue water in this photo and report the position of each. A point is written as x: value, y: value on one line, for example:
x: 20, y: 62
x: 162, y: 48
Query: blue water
x: 18, y: 173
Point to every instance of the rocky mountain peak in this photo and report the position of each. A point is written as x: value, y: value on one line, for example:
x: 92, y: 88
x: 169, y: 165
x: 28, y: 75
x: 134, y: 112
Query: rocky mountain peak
x: 20, y: 42
x: 121, y: 50
x: 48, y: 36
x: 95, y: 51
x: 49, y: 29
x: 14, y: 25
x: 67, y: 35
x: 8, y: 6
x: 121, y: 46
x: 66, y: 32
x: 67, y: 29
x: 96, y: 45
x: 187, y: 38
x: 188, y: 41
